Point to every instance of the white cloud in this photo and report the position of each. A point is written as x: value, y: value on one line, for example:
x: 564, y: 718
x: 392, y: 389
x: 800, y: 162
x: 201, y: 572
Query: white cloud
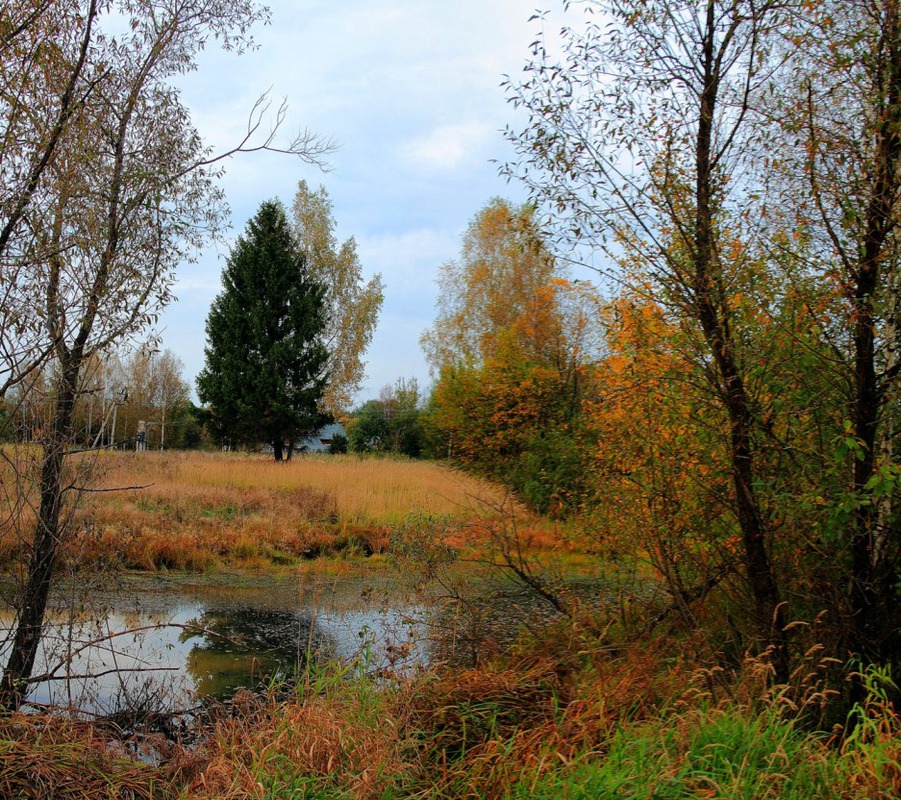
x: 409, y: 260
x: 450, y: 146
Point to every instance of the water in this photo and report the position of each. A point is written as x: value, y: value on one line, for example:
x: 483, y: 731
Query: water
x: 153, y: 641
x: 150, y: 643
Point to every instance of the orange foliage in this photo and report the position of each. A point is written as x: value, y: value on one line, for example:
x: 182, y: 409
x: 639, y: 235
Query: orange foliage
x: 662, y: 492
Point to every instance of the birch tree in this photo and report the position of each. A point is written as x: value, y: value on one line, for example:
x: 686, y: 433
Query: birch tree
x: 351, y: 305
x: 124, y: 193
x: 639, y: 138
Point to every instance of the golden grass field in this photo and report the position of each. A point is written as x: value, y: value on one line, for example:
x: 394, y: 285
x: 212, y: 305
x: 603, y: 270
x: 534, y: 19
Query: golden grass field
x: 364, y: 490
x: 196, y: 511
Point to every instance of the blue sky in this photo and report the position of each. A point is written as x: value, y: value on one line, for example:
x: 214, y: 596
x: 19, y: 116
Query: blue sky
x: 410, y: 91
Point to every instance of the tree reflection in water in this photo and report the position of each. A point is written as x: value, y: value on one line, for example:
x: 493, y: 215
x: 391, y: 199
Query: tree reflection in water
x: 246, y: 647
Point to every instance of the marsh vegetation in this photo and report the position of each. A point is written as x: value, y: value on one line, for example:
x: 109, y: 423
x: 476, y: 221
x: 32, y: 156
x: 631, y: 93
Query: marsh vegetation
x: 420, y: 665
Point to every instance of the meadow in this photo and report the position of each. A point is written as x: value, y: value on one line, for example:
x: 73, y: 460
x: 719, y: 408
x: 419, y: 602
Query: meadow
x: 576, y: 711
x: 204, y: 511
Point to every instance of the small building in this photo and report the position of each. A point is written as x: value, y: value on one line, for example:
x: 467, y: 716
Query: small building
x: 320, y: 441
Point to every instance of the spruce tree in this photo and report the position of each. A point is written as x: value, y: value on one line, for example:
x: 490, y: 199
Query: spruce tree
x: 265, y: 360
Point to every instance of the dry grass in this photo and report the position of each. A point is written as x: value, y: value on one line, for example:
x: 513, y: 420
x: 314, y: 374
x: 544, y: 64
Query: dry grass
x: 61, y: 758
x: 197, y: 511
x: 422, y: 736
x: 364, y: 491
x: 563, y: 716
x: 337, y: 739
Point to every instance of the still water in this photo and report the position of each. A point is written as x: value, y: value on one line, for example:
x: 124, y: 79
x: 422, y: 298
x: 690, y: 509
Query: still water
x: 142, y: 639
x: 142, y: 642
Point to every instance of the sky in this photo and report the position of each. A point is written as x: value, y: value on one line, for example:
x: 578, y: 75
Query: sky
x: 410, y: 91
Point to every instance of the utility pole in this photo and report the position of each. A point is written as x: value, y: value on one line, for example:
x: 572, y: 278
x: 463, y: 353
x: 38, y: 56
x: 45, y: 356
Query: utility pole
x: 121, y: 397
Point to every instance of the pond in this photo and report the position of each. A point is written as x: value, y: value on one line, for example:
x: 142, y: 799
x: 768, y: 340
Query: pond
x: 141, y: 642
x: 166, y: 641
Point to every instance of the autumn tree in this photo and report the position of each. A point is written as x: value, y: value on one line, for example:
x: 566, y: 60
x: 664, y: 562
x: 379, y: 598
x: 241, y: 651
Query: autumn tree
x: 503, y: 264
x: 351, y: 305
x: 265, y: 359
x: 510, y: 346
x: 659, y: 463
x: 640, y: 137
x: 170, y: 393
x: 113, y: 188
x: 738, y: 164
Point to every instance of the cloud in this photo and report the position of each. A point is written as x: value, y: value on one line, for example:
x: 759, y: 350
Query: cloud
x: 408, y: 263
x: 449, y: 147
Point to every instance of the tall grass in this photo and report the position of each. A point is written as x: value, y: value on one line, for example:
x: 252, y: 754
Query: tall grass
x: 560, y: 717
x: 707, y: 752
x: 197, y: 511
x: 366, y: 491
x: 524, y: 729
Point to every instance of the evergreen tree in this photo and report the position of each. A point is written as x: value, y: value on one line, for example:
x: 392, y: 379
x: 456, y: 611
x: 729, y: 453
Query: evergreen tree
x: 265, y: 360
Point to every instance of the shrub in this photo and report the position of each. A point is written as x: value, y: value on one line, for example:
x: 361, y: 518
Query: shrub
x: 338, y: 445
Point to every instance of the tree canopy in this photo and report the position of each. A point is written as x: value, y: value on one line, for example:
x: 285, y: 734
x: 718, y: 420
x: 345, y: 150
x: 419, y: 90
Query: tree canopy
x: 265, y: 359
x: 738, y: 164
x: 351, y: 305
x: 503, y: 265
x: 509, y: 348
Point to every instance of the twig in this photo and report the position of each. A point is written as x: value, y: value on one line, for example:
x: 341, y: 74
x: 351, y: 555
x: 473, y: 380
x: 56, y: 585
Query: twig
x: 86, y: 490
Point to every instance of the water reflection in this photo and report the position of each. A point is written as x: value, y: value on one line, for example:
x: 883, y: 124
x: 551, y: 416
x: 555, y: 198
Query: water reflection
x: 164, y: 643
x: 101, y: 661
x: 244, y: 647
x: 161, y: 642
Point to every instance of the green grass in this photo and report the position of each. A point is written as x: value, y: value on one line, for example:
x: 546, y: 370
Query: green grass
x: 706, y: 753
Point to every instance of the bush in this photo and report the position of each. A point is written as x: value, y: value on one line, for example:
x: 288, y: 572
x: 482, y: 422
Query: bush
x: 552, y: 473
